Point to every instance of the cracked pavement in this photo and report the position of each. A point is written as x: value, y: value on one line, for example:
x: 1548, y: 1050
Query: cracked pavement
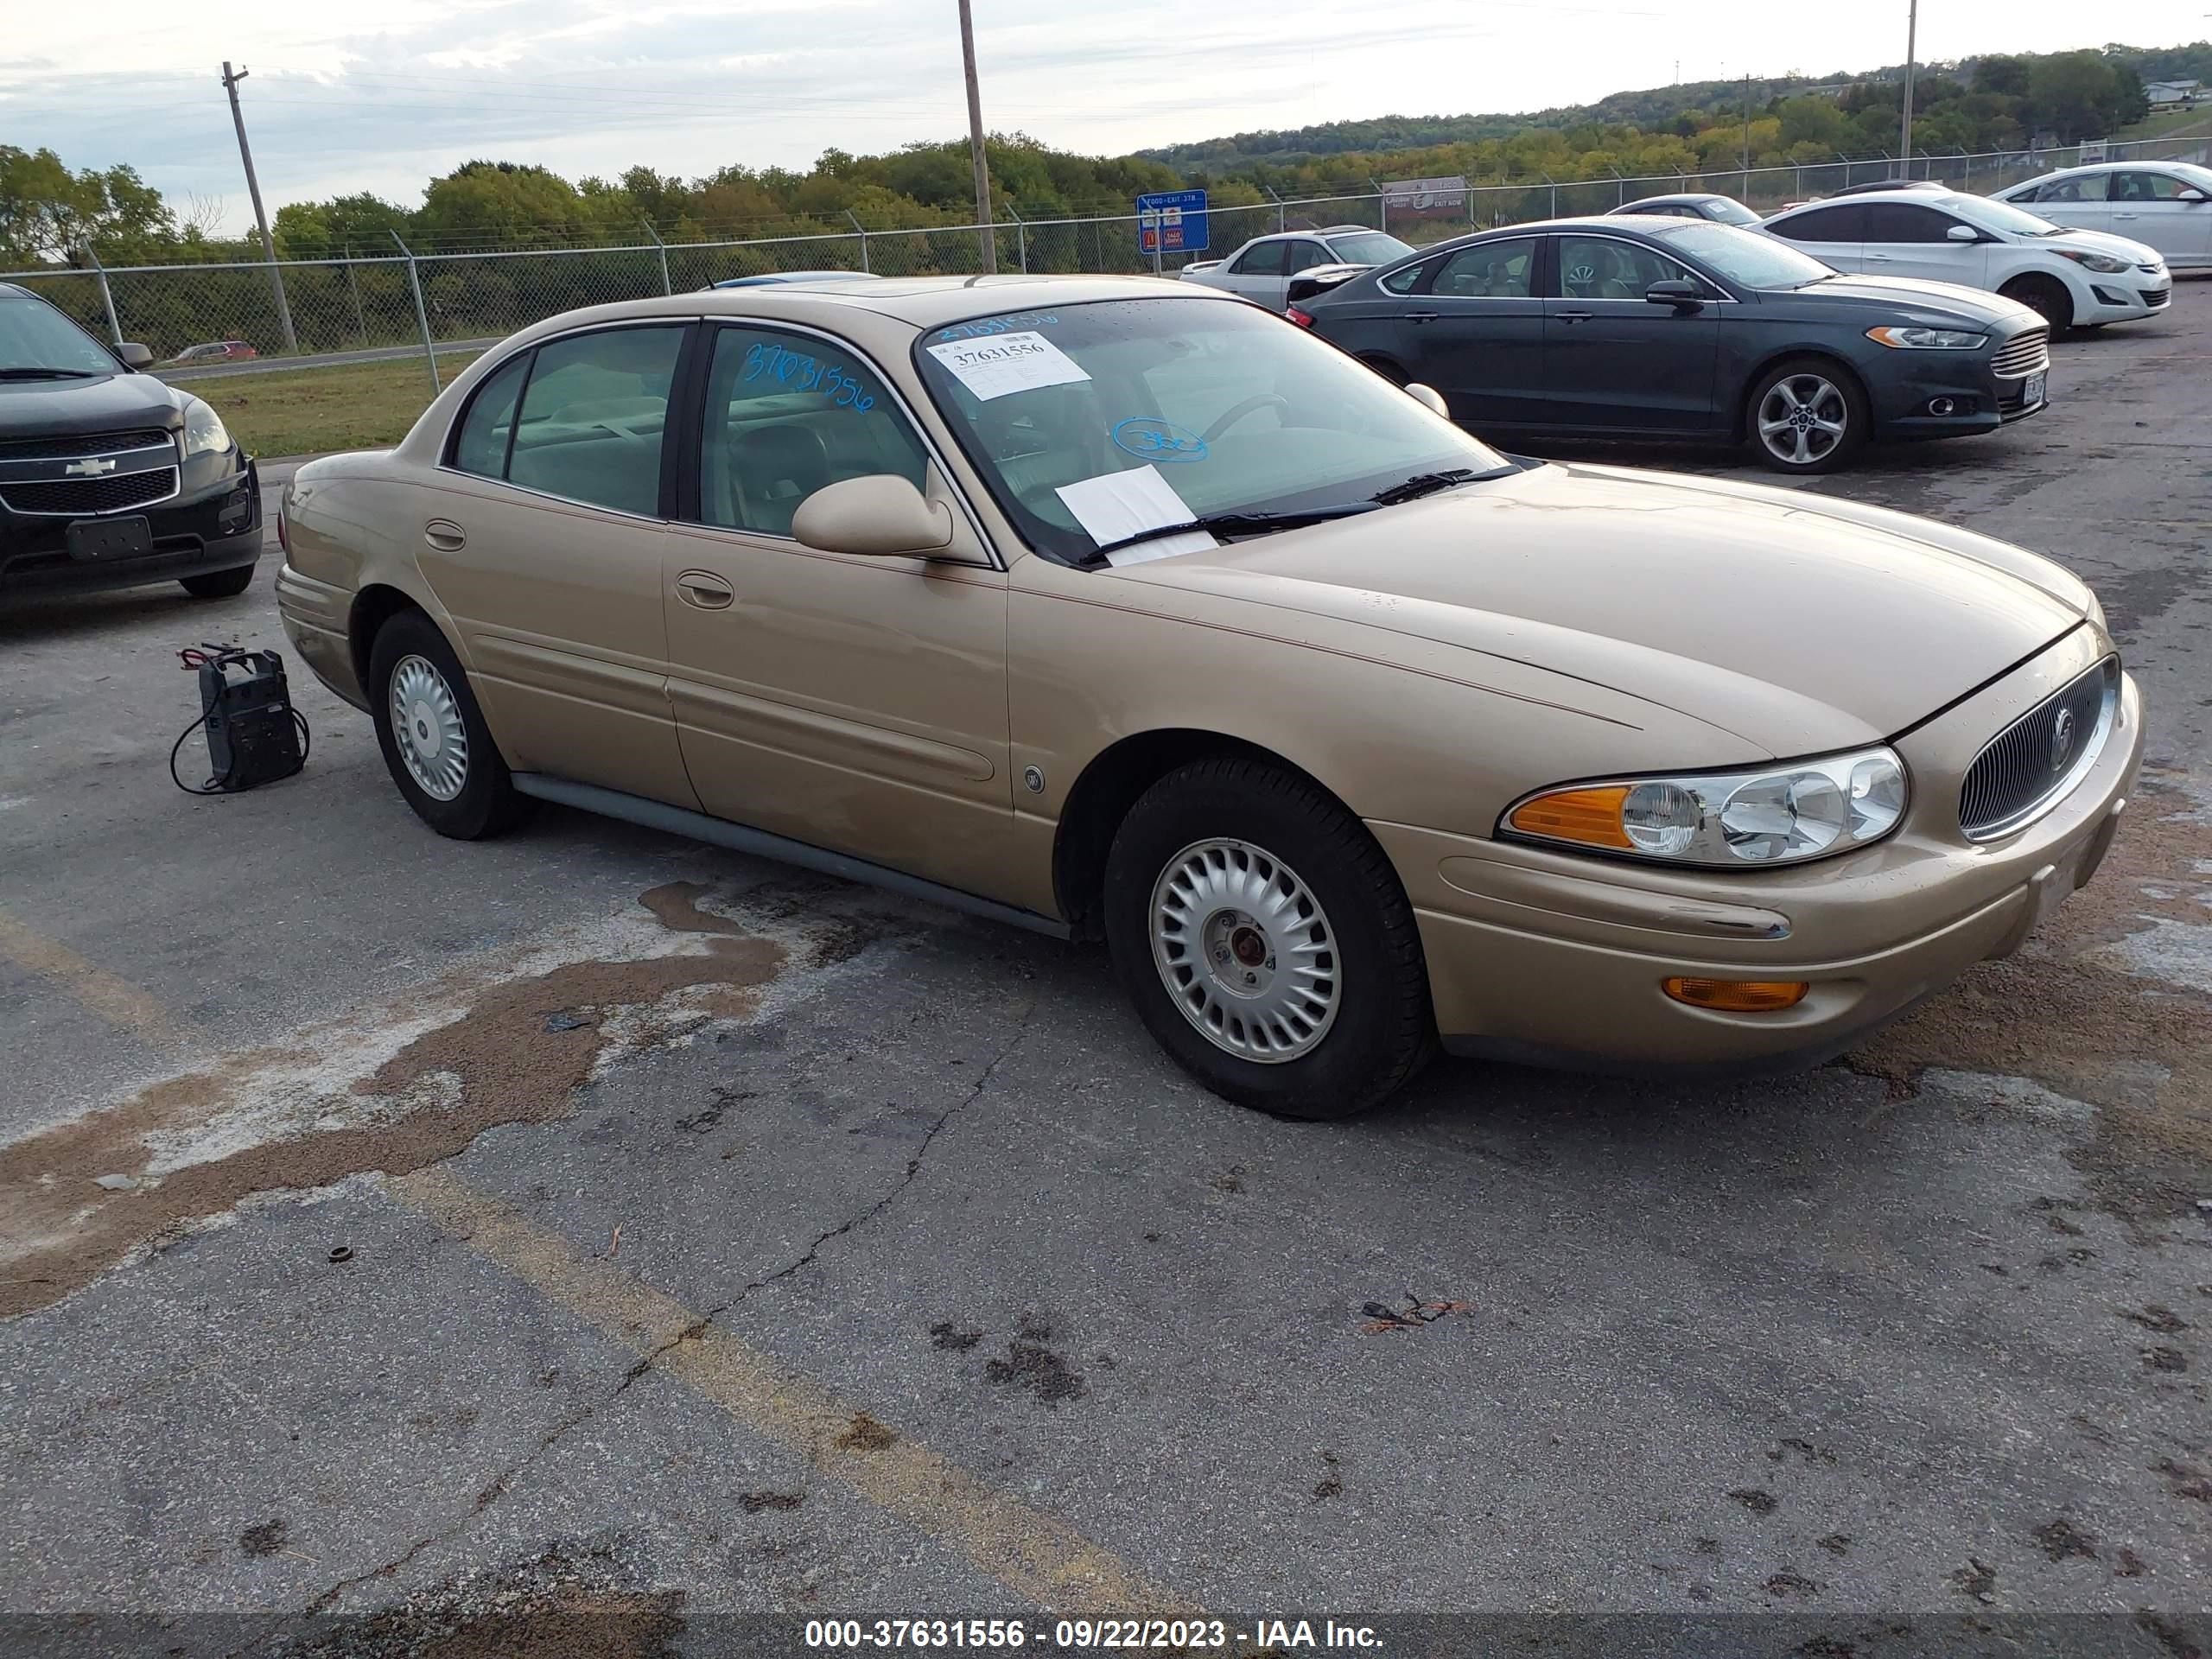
x: 720, y: 1241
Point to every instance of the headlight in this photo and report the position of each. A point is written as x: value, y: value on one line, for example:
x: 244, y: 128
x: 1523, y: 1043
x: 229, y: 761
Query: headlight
x: 1776, y: 815
x: 1927, y: 340
x: 2103, y: 262
x: 204, y: 432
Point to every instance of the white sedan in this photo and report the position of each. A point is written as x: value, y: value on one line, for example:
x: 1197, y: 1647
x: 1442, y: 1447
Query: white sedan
x: 2165, y: 205
x: 2074, y: 278
x: 1261, y: 270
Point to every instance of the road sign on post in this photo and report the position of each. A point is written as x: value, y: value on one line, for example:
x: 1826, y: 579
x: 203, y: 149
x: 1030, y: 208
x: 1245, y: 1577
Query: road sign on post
x: 1172, y: 221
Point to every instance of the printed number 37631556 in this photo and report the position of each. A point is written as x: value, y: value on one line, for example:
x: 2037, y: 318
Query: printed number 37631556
x: 802, y: 372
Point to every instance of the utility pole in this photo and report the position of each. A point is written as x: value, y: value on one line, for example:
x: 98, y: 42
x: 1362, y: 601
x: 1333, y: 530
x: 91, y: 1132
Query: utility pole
x: 253, y: 189
x: 990, y: 239
x: 1911, y: 44
x: 1747, y: 133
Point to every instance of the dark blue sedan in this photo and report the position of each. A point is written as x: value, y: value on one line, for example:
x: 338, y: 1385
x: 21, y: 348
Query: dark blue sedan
x: 1684, y: 328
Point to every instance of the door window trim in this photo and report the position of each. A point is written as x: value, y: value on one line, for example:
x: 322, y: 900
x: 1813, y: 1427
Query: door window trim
x: 690, y: 326
x: 694, y: 426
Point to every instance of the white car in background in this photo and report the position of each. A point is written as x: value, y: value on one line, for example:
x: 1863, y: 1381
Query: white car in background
x: 2074, y: 278
x: 1261, y: 270
x: 2163, y: 205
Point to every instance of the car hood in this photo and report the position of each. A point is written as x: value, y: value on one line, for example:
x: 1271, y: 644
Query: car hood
x: 1797, y: 624
x: 60, y: 408
x: 1917, y: 300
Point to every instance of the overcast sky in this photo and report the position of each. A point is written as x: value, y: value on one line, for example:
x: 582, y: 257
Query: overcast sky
x: 381, y: 96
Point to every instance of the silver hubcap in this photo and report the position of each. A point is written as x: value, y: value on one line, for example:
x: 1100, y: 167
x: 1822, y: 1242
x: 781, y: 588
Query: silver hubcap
x: 1802, y: 418
x: 426, y: 724
x: 1245, y: 950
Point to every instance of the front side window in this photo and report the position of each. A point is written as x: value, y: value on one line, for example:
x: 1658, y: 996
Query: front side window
x: 2146, y: 186
x: 1905, y: 221
x: 1237, y: 411
x: 787, y: 414
x: 480, y: 444
x: 1841, y: 224
x: 2082, y: 187
x: 593, y: 414
x: 1598, y: 268
x: 1489, y: 270
x: 1267, y: 259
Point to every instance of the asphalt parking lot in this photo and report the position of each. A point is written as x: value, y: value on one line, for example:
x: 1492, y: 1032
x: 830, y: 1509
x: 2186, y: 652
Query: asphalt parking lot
x: 628, y: 1237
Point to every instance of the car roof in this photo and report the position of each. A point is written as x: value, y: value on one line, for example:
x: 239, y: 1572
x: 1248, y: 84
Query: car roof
x: 1679, y: 195
x: 1860, y: 198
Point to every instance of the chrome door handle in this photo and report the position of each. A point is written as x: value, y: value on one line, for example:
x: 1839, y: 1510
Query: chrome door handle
x: 1422, y: 316
x: 2128, y: 215
x: 1879, y: 259
x: 1573, y: 316
x: 709, y: 592
x: 444, y: 534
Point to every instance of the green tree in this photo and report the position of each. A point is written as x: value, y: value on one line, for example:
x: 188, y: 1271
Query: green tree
x: 48, y: 212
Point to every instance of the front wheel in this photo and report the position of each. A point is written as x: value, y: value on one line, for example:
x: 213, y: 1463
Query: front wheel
x: 1807, y: 416
x: 1266, y: 941
x: 2045, y: 295
x: 435, y: 741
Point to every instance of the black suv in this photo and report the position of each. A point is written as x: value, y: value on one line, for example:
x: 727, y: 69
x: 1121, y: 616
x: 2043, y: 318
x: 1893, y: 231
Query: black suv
x: 108, y: 478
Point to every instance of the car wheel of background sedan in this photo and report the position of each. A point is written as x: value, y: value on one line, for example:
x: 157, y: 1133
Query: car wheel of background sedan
x: 2046, y: 296
x: 436, y: 744
x: 1807, y: 416
x: 219, y: 584
x: 1266, y: 941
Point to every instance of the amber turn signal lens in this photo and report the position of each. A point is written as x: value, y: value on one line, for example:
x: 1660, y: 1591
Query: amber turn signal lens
x: 1738, y: 996
x: 1591, y: 816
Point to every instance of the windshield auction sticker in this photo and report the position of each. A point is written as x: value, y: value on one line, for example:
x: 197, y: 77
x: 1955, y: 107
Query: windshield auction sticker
x: 1008, y: 363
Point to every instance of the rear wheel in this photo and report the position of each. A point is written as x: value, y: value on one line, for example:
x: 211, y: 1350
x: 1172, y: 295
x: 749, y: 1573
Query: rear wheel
x: 1807, y: 416
x: 1266, y: 941
x: 435, y: 741
x: 2046, y: 296
x: 219, y: 584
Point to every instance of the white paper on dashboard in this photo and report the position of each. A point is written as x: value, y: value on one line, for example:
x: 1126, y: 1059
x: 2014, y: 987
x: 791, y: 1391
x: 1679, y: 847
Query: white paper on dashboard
x: 1007, y: 363
x: 1115, y: 506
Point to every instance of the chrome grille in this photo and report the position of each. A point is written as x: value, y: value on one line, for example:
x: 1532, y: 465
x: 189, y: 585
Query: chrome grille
x: 89, y: 497
x: 2026, y: 353
x: 2031, y: 764
x: 84, y: 444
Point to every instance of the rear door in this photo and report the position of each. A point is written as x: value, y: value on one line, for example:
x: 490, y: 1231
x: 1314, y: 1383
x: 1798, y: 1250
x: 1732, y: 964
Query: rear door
x: 2077, y: 201
x: 2148, y: 207
x: 1905, y: 239
x: 1474, y: 328
x: 545, y: 548
x: 1835, y: 235
x: 1615, y: 360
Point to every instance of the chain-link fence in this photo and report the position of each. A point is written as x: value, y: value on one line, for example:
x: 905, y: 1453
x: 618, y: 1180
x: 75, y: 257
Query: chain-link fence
x: 457, y: 300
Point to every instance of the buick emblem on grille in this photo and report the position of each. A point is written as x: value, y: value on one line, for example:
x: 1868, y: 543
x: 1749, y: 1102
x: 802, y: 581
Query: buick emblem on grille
x: 92, y: 468
x: 2062, y: 740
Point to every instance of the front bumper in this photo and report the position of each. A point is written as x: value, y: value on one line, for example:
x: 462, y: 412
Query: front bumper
x: 214, y: 526
x: 1546, y: 956
x: 2131, y: 294
x: 1970, y: 395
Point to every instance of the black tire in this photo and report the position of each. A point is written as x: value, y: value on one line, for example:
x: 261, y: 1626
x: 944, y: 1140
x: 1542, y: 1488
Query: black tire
x: 1846, y: 394
x: 219, y: 584
x: 486, y: 802
x: 2047, y: 297
x: 1384, y: 1029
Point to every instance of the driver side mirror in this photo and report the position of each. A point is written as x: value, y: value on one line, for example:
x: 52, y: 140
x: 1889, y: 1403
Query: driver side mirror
x: 1677, y: 291
x: 2187, y: 192
x: 1962, y: 233
x: 1429, y: 398
x: 134, y: 357
x: 878, y: 516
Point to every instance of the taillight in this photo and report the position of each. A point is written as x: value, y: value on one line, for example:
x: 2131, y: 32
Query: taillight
x: 1303, y: 319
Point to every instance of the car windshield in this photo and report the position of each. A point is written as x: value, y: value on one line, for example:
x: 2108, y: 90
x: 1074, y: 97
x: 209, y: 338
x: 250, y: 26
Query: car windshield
x: 1234, y: 410
x: 34, y: 336
x: 1998, y: 216
x: 1368, y: 248
x: 1730, y: 212
x: 2199, y: 176
x: 1747, y: 259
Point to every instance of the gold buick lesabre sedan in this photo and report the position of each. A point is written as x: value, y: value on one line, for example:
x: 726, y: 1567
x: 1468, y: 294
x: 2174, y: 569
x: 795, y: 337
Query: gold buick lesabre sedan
x: 1123, y: 609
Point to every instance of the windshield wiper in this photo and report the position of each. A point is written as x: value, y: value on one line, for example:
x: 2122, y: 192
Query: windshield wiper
x: 25, y: 373
x: 1236, y: 523
x: 1422, y: 484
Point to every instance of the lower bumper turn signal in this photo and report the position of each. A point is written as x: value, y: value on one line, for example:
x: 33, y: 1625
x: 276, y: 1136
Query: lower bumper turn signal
x: 1738, y: 996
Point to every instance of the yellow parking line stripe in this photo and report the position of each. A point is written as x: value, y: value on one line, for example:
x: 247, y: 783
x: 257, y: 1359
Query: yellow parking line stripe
x: 1034, y: 1555
x: 116, y: 1000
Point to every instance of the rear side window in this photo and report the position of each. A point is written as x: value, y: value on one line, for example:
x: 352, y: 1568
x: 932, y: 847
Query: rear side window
x: 480, y: 445
x: 1402, y: 282
x: 1841, y: 224
x: 2085, y: 187
x: 592, y: 416
x: 1266, y: 260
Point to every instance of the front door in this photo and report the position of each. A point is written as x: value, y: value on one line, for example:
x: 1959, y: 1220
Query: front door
x: 853, y: 703
x: 2150, y: 207
x: 1474, y: 328
x: 2078, y: 202
x: 1613, y: 359
x: 546, y: 551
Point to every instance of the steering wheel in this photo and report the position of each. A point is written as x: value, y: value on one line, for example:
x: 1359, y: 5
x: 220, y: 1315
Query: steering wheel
x: 1258, y: 401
